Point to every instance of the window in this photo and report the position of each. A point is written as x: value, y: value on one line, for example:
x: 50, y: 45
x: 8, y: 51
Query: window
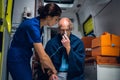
x: 88, y: 26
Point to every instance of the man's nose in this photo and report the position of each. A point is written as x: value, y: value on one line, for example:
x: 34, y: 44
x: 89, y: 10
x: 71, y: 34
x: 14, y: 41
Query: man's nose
x: 65, y: 32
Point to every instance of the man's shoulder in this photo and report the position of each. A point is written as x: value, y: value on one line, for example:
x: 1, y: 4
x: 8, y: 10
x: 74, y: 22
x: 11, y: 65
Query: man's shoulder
x: 74, y: 37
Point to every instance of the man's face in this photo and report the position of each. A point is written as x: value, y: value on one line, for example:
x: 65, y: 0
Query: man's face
x: 64, y: 27
x: 65, y: 30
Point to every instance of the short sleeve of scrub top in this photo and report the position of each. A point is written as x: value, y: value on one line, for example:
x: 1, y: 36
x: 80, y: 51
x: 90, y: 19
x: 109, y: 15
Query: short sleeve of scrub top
x: 34, y: 32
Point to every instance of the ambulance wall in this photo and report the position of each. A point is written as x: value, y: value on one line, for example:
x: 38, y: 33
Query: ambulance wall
x: 105, y: 14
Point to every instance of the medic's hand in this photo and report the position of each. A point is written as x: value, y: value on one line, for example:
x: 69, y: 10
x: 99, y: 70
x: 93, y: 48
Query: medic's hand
x: 46, y: 63
x: 53, y: 77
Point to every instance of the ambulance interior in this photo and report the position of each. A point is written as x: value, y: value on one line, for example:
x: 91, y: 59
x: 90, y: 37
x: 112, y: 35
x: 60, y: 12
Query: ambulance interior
x: 96, y: 23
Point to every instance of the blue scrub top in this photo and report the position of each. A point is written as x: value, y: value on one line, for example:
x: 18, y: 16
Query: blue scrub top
x: 28, y: 32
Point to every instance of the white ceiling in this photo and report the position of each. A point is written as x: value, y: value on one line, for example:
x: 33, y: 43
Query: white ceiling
x: 71, y: 7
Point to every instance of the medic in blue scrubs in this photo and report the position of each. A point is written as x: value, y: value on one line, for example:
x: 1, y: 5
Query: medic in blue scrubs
x: 27, y: 37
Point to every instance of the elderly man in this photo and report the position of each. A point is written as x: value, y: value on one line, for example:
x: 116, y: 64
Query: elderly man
x: 66, y: 52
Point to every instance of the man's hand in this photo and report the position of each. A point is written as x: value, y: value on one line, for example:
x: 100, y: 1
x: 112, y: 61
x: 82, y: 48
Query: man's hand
x: 66, y: 43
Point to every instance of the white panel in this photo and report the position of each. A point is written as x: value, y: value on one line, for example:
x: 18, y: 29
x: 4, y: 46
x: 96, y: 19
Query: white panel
x: 18, y: 9
x: 108, y: 72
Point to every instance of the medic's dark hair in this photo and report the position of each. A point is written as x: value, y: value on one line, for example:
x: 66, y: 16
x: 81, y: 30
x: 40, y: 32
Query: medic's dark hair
x: 50, y: 9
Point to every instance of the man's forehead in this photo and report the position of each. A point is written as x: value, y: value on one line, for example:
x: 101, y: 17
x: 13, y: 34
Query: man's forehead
x: 64, y: 23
